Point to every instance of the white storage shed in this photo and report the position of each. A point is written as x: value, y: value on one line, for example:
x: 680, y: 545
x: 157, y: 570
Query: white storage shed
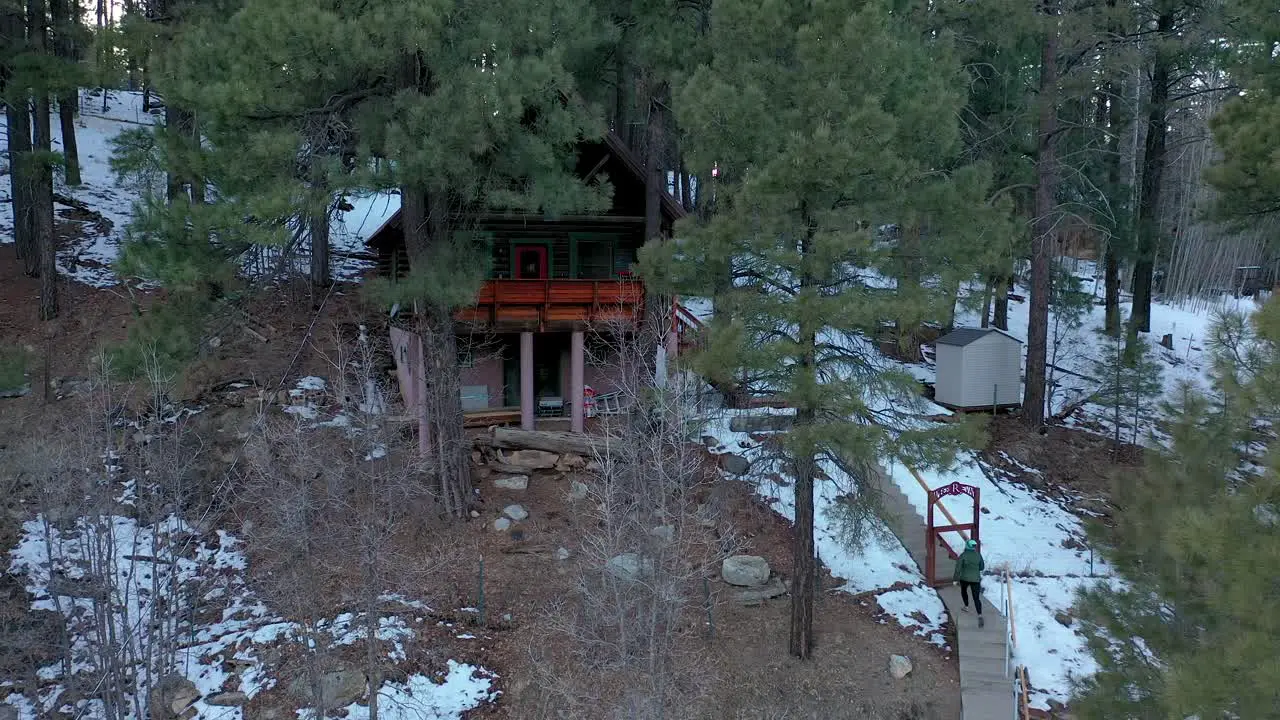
x: 978, y: 368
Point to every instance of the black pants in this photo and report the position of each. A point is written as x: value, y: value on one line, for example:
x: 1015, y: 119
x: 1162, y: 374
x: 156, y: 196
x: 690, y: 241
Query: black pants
x: 976, y: 588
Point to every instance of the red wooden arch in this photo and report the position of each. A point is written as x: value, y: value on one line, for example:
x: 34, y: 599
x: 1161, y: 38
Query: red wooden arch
x: 933, y: 533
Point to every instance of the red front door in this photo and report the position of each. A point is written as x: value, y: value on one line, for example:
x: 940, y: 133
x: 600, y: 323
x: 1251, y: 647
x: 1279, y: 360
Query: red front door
x: 531, y: 262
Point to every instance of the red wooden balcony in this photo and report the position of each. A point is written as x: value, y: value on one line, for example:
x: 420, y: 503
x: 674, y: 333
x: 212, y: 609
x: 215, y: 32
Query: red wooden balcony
x: 536, y: 304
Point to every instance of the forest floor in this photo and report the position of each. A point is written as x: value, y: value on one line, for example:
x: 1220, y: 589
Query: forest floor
x: 744, y: 665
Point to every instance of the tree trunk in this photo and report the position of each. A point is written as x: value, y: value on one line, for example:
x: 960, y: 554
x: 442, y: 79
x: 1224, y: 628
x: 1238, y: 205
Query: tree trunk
x: 986, y: 302
x: 657, y: 308
x: 41, y: 172
x: 951, y: 291
x: 319, y: 231
x: 1152, y: 180
x: 804, y: 570
x: 1000, y: 314
x: 42, y: 210
x: 21, y: 177
x: 426, y: 220
x: 67, y: 103
x: 65, y: 16
x: 1042, y: 226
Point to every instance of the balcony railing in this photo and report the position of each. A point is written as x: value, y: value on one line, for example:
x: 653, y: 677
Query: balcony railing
x: 540, y: 302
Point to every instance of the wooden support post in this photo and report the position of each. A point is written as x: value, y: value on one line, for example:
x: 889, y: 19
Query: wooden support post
x: 526, y: 381
x: 576, y: 352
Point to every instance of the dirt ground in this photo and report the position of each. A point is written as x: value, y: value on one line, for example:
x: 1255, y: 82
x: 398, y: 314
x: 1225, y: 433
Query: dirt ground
x: 750, y: 673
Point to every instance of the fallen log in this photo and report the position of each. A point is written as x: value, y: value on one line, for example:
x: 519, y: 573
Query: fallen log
x: 548, y: 440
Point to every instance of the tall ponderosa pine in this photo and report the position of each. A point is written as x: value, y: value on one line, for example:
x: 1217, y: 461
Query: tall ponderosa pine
x: 42, y: 159
x: 823, y: 119
x: 14, y: 73
x: 1248, y: 129
x: 1194, y: 632
x: 458, y: 106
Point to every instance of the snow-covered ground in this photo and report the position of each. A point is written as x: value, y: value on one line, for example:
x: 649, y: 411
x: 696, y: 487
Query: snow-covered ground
x: 1039, y: 542
x: 61, y: 565
x: 90, y: 257
x: 880, y: 565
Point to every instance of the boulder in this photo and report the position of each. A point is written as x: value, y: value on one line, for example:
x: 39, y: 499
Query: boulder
x: 577, y: 491
x: 1063, y: 619
x: 899, y: 666
x: 562, y: 554
x: 710, y: 441
x: 665, y: 533
x: 516, y: 512
x: 761, y: 423
x: 745, y: 570
x: 501, y: 524
x: 628, y: 566
x: 228, y: 699
x: 733, y: 464
x: 573, y: 460
x: 756, y: 596
x: 1266, y: 515
x: 172, y: 696
x: 512, y: 482
x: 338, y: 688
x: 532, y: 459
x: 8, y: 712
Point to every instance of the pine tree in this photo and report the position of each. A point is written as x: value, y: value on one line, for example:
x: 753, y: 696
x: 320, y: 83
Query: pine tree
x: 458, y: 106
x: 14, y: 68
x: 823, y: 121
x: 1195, y: 631
x: 1131, y: 386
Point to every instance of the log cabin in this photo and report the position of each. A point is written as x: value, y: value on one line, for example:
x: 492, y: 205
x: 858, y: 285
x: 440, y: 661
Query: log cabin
x: 561, y: 293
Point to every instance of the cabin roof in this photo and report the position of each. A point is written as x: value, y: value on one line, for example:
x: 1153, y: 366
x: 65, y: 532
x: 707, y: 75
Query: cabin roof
x: 966, y: 336
x: 670, y: 207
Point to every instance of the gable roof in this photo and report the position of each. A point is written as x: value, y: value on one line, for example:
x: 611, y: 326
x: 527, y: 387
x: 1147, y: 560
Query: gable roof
x: 965, y: 336
x: 670, y: 208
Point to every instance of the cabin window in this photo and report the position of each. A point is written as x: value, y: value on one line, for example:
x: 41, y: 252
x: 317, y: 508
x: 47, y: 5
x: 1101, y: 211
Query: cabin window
x: 595, y: 259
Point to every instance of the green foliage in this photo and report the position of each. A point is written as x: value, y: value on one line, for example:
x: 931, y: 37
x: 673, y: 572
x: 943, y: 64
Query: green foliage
x: 1195, y: 632
x: 1247, y: 131
x: 449, y: 275
x: 823, y: 121
x: 163, y: 340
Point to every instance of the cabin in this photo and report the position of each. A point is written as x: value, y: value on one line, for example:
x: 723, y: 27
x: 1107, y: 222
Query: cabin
x: 978, y: 369
x: 562, y: 293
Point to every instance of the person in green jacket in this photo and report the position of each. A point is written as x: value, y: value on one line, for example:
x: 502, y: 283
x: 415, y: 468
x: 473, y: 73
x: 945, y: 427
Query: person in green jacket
x: 969, y: 567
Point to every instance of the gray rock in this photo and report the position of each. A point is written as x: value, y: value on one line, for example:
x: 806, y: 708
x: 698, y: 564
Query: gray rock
x: 628, y: 566
x: 761, y: 423
x: 578, y: 491
x: 1266, y: 515
x: 8, y: 712
x: 1063, y: 619
x: 474, y: 513
x: 562, y: 554
x: 573, y: 460
x: 710, y: 441
x: 512, y: 482
x: 899, y: 666
x: 228, y: 699
x: 756, y: 596
x: 733, y: 464
x: 501, y: 524
x: 516, y: 512
x: 338, y: 688
x: 533, y: 459
x: 665, y: 533
x: 745, y: 570
x: 172, y: 696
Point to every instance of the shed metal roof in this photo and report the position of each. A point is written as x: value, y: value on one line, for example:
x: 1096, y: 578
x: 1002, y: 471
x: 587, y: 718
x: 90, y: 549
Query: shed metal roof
x: 964, y: 336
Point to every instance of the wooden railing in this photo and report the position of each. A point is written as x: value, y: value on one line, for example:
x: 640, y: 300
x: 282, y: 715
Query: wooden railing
x: 544, y: 301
